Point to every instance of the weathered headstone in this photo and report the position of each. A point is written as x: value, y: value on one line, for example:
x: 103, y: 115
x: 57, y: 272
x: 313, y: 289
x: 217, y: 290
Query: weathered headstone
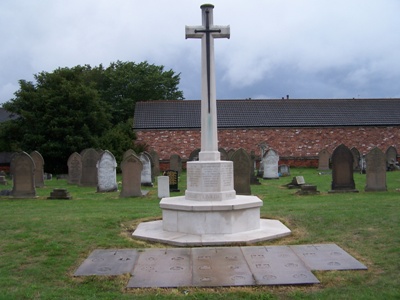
x: 146, y: 178
x: 60, y: 194
x: 155, y: 171
x: 284, y: 170
x: 376, y: 171
x: 131, y: 168
x: 270, y: 162
x: 342, y: 170
x: 74, y: 168
x: 22, y: 169
x: 107, y: 173
x: 173, y: 180
x: 296, y: 182
x: 230, y: 153
x: 323, y: 160
x: 127, y: 153
x: 241, y: 172
x: 3, y: 180
x: 308, y: 189
x: 194, y: 155
x: 90, y: 158
x: 163, y: 186
x: 356, y: 159
x: 224, y: 154
x: 391, y: 158
x: 39, y: 172
x: 253, y: 177
x: 175, y: 163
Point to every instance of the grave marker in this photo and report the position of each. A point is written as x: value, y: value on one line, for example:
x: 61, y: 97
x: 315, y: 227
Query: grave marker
x: 376, y: 171
x: 131, y: 168
x: 22, y: 169
x: 90, y: 158
x: 39, y: 172
x: 342, y: 170
x: 74, y: 168
x: 107, y: 173
x: 270, y: 163
x: 241, y: 172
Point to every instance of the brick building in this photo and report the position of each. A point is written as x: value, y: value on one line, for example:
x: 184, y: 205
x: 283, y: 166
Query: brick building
x: 297, y: 129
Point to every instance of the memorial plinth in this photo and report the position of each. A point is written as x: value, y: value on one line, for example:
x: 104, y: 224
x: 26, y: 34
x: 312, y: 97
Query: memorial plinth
x: 210, y: 213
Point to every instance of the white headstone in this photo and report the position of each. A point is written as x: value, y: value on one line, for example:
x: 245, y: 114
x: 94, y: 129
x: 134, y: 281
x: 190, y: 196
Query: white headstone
x: 106, y: 173
x: 163, y: 186
x: 270, y: 162
x: 146, y: 171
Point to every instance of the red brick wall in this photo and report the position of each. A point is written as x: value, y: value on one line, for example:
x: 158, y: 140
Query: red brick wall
x: 298, y: 147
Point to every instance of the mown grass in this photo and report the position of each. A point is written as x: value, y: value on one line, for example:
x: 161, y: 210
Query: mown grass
x: 42, y: 242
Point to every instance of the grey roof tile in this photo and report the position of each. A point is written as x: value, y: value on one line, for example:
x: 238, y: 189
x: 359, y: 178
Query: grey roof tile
x: 270, y: 113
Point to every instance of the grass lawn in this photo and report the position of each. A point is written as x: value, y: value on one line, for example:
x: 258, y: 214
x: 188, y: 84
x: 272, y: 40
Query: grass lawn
x: 42, y: 242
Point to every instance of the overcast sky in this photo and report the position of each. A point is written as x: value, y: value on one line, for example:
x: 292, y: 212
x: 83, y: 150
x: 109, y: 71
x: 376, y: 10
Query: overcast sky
x: 301, y: 48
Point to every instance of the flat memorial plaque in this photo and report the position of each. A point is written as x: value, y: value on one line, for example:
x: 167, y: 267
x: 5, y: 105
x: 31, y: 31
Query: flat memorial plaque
x: 277, y: 265
x: 327, y: 257
x: 108, y: 262
x: 224, y: 266
x: 169, y: 267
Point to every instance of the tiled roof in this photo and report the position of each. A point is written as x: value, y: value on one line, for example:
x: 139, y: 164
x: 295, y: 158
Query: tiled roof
x: 270, y: 113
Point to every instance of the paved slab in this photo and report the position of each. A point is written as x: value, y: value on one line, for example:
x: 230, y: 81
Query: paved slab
x: 219, y: 266
x: 277, y: 265
x: 108, y: 262
x: 162, y: 268
x: 327, y: 257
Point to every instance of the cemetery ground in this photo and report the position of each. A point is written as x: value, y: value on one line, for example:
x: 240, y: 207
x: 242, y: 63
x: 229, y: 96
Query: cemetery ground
x: 43, y: 242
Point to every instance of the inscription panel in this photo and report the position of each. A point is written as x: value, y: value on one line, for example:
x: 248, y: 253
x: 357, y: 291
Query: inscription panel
x: 327, y: 257
x: 277, y: 265
x: 220, y: 267
x: 108, y: 262
x: 162, y: 268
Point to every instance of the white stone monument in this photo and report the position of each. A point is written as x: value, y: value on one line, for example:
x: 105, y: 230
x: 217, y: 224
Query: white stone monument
x: 163, y: 186
x: 107, y: 173
x: 210, y: 213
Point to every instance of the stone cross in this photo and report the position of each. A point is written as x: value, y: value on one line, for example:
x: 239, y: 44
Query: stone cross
x: 207, y: 32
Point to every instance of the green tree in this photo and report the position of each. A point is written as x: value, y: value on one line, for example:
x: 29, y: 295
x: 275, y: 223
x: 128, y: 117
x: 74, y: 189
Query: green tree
x: 127, y: 83
x: 71, y: 109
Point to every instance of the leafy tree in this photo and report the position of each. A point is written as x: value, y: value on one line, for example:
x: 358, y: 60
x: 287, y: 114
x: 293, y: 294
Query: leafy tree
x: 127, y: 83
x: 71, y: 109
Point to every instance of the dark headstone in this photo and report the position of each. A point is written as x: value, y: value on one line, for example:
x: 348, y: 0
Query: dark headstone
x: 127, y: 153
x: 241, y: 172
x: 175, y: 163
x: 90, y: 158
x: 253, y: 177
x: 308, y: 189
x: 173, y: 180
x: 194, y: 155
x: 23, y: 168
x: 376, y: 171
x: 74, y: 168
x: 296, y: 182
x: 356, y: 159
x: 155, y: 171
x: 224, y: 154
x: 342, y: 170
x: 391, y: 159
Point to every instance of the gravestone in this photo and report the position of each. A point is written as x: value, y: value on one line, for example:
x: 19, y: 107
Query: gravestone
x: 253, y: 177
x: 146, y: 178
x: 376, y: 171
x: 22, y: 168
x: 173, y: 180
x: 296, y: 182
x: 362, y: 164
x: 3, y: 180
x: 224, y: 154
x: 39, y: 172
x: 131, y: 168
x: 175, y: 163
x: 90, y: 158
x: 60, y: 194
x: 391, y: 158
x: 155, y: 158
x: 308, y: 189
x: 107, y: 173
x: 194, y: 155
x: 342, y: 170
x: 241, y: 172
x: 127, y: 153
x: 284, y: 170
x: 356, y: 159
x: 163, y: 186
x: 230, y: 153
x: 323, y: 160
x: 74, y: 168
x: 270, y: 163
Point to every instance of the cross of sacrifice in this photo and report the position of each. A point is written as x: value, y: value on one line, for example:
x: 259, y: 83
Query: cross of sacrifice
x: 207, y: 32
